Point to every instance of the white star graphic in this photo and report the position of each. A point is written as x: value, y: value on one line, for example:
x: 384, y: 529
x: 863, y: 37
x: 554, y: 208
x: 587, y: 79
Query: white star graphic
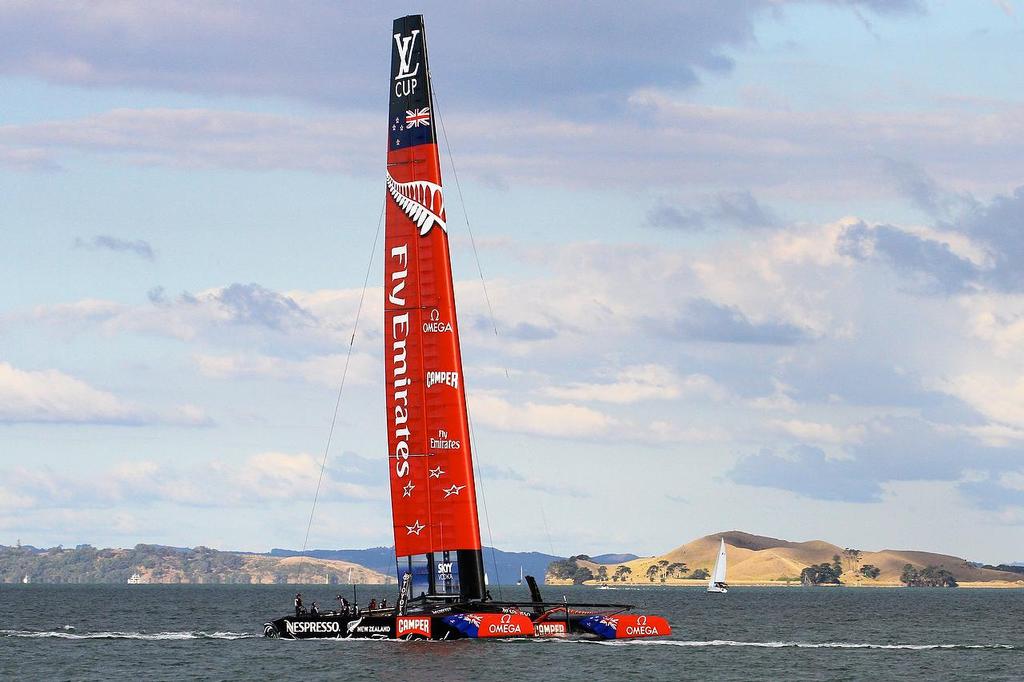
x: 414, y: 528
x: 454, y: 490
x: 436, y: 473
x: 407, y: 490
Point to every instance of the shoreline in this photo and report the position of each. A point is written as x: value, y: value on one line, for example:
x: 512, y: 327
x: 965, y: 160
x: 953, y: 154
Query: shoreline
x: 693, y: 584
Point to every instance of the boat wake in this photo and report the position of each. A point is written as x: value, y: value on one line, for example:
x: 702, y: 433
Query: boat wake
x: 794, y: 645
x: 67, y: 634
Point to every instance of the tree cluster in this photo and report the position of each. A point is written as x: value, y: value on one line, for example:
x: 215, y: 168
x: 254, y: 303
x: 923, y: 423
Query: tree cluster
x: 823, y: 574
x: 569, y: 569
x: 870, y: 571
x: 931, y: 576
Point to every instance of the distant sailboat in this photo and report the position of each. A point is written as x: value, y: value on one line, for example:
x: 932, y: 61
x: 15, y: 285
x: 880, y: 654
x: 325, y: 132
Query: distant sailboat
x: 520, y: 581
x: 717, y: 582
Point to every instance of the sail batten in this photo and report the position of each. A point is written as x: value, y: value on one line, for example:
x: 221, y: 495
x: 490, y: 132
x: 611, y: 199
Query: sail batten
x: 433, y: 493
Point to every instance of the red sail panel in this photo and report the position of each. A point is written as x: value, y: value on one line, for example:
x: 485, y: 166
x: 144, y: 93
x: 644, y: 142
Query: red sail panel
x: 433, y: 497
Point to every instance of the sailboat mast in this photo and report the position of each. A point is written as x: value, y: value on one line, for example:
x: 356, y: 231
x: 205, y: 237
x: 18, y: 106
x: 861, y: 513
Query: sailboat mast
x: 433, y: 494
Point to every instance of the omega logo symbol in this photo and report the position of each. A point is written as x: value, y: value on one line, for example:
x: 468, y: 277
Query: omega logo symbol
x: 436, y: 325
x: 506, y: 618
x: 641, y: 620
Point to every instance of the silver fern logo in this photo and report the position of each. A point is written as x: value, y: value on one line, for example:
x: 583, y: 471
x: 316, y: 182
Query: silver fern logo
x: 421, y: 200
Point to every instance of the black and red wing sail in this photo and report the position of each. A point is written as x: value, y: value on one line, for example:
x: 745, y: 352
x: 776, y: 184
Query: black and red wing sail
x: 433, y: 496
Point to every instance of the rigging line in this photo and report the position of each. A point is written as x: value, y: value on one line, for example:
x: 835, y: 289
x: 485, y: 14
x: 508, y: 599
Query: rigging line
x: 494, y: 326
x: 344, y: 374
x: 469, y: 227
x: 483, y: 499
x: 544, y: 518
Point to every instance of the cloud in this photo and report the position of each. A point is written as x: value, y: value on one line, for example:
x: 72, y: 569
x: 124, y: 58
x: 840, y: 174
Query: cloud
x: 638, y: 383
x: 363, y: 368
x: 807, y: 471
x: 263, y: 478
x: 933, y: 265
x: 561, y: 420
x: 529, y: 483
x: 816, y: 432
x: 138, y: 247
x: 240, y: 314
x: 53, y: 397
x: 736, y: 209
x: 895, y: 449
x: 704, y: 320
x: 995, y: 493
x: 930, y: 265
x: 201, y: 138
x: 998, y: 225
x: 654, y: 140
x: 925, y: 192
x: 998, y: 397
x: 331, y: 52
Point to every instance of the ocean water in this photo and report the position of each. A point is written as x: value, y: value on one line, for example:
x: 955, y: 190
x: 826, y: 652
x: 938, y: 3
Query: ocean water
x: 169, y: 632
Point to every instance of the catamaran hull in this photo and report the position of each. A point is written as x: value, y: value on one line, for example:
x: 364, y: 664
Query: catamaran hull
x: 467, y: 626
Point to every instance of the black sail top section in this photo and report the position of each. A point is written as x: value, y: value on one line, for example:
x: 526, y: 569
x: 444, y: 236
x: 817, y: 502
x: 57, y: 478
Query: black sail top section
x: 411, y: 112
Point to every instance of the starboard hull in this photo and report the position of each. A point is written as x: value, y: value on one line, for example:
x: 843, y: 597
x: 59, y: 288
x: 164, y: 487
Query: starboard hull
x: 465, y: 624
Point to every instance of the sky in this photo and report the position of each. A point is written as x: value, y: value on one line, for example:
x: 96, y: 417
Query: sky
x: 753, y: 265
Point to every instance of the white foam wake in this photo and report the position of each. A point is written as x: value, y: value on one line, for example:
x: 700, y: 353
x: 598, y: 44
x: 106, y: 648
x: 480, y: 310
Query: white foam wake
x: 65, y: 634
x: 794, y: 645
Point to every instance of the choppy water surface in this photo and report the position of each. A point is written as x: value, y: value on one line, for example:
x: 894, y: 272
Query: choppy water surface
x: 213, y: 632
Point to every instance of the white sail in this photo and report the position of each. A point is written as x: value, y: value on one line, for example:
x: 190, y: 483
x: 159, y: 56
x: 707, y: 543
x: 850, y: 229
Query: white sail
x: 717, y: 581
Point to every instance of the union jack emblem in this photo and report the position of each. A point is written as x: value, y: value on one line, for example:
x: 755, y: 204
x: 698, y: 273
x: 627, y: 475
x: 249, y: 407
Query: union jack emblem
x: 417, y: 117
x: 471, y: 618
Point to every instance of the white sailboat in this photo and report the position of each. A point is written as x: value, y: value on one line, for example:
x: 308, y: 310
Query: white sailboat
x: 717, y: 581
x: 520, y: 581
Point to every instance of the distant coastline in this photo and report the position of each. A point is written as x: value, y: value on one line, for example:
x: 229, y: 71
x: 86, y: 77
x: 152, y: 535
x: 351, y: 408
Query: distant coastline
x: 756, y: 560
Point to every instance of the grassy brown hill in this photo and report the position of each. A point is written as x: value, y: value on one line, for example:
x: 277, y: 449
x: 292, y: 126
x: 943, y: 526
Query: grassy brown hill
x: 757, y: 559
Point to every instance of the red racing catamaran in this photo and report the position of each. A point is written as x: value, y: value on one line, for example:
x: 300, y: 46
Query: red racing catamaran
x: 433, y: 496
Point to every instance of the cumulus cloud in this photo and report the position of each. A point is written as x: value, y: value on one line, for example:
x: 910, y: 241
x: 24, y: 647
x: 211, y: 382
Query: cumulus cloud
x: 51, y: 396
x: 138, y: 247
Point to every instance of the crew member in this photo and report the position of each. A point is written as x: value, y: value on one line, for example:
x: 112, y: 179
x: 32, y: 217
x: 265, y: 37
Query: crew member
x: 314, y: 610
x: 373, y: 604
x: 384, y: 603
x: 298, y: 605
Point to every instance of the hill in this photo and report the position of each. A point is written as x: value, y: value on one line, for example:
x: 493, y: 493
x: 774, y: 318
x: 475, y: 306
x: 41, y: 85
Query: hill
x: 160, y: 564
x: 757, y: 559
